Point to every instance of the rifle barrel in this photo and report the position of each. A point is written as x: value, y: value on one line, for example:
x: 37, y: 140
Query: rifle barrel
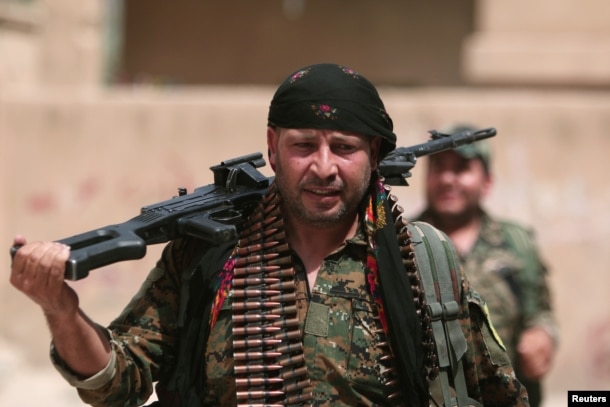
x: 441, y: 142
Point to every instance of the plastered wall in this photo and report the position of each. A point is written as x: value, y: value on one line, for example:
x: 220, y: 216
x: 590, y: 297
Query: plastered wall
x: 72, y: 162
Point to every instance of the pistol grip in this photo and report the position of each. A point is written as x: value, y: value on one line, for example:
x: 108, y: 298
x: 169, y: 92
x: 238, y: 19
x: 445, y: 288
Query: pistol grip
x: 215, y: 231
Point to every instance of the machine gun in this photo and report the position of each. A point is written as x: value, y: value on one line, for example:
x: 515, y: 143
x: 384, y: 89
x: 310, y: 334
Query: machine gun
x: 215, y: 212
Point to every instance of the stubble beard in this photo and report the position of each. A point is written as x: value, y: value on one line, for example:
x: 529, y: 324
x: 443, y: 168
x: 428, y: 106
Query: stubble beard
x: 294, y: 205
x: 454, y: 216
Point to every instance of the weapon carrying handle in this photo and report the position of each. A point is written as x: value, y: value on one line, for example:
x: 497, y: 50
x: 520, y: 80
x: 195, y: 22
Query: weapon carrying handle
x: 101, y: 247
x: 98, y: 248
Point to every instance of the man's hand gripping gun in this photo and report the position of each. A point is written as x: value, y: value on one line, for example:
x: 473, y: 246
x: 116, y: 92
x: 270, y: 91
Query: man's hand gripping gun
x: 215, y: 212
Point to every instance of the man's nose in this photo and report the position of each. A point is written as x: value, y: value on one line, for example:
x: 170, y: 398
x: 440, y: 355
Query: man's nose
x: 447, y: 176
x: 324, y: 164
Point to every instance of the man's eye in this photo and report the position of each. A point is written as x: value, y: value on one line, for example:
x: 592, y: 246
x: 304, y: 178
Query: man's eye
x: 345, y: 148
x: 303, y: 145
x: 464, y: 167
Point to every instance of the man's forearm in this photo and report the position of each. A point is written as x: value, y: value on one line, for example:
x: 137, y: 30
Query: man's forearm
x: 80, y: 343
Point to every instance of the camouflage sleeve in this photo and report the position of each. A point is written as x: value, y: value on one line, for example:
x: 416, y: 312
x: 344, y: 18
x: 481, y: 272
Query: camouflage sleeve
x: 536, y: 302
x: 144, y: 336
x: 93, y: 382
x: 488, y: 370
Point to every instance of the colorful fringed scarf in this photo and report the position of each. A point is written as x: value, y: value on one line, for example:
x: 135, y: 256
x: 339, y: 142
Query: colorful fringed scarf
x: 375, y: 218
x: 225, y: 280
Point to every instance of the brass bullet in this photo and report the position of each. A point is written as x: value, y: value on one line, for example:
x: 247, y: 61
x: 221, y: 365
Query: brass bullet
x: 257, y: 381
x: 282, y: 261
x: 298, y: 399
x: 282, y: 285
x: 244, y: 241
x: 244, y: 369
x: 255, y: 248
x: 248, y: 355
x: 292, y: 360
x: 285, y: 310
x: 303, y: 384
x: 290, y: 347
x: 244, y: 261
x: 256, y: 292
x: 301, y: 371
x: 241, y: 282
x: 286, y: 336
x: 287, y: 323
x: 237, y: 318
x: 244, y: 271
x: 281, y: 273
x: 258, y: 394
x: 249, y: 330
x: 247, y: 343
x: 281, y: 297
x: 250, y: 305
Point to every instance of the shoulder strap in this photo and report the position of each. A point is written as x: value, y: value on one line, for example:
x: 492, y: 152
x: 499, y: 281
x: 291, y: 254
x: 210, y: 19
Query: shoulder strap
x: 440, y: 274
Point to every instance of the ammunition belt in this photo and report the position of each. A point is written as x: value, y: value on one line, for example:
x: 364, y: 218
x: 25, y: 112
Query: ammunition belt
x: 419, y: 297
x: 267, y: 341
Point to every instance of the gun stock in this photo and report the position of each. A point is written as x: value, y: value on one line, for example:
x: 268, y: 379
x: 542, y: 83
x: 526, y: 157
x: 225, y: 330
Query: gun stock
x: 215, y: 212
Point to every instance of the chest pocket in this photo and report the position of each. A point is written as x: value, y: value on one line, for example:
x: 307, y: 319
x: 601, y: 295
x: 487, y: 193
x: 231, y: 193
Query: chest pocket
x: 365, y: 350
x: 349, y: 344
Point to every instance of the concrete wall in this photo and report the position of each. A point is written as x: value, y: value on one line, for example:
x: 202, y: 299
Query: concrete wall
x: 241, y: 42
x: 542, y: 43
x: 72, y: 162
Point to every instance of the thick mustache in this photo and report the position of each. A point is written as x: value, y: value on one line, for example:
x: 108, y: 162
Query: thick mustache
x: 319, y: 184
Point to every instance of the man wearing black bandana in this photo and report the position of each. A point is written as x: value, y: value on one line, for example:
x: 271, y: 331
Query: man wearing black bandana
x: 311, y: 306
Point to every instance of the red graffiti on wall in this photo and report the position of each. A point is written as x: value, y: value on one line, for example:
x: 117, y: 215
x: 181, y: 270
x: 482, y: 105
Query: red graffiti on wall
x: 41, y: 202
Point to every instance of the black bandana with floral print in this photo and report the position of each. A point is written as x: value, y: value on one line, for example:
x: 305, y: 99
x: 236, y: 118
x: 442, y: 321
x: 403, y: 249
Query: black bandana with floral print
x: 332, y: 97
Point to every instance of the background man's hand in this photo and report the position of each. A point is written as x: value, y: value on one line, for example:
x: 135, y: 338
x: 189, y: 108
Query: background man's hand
x: 535, y: 349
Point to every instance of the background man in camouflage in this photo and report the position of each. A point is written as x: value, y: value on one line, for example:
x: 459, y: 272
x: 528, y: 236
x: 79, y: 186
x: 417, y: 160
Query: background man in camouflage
x: 312, y: 305
x: 500, y: 258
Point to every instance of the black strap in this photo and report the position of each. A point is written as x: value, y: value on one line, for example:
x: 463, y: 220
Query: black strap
x: 404, y: 325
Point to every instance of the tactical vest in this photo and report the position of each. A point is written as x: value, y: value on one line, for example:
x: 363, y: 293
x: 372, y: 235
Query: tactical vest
x: 440, y: 276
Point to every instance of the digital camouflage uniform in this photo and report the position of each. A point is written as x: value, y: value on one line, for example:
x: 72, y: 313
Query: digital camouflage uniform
x: 506, y: 269
x: 341, y: 356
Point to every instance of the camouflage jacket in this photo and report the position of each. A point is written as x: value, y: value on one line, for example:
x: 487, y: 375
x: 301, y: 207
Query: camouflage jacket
x: 341, y: 358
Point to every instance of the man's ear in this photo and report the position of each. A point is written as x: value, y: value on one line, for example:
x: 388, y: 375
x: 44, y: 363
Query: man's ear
x: 272, y: 139
x: 375, y: 152
x: 488, y: 182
